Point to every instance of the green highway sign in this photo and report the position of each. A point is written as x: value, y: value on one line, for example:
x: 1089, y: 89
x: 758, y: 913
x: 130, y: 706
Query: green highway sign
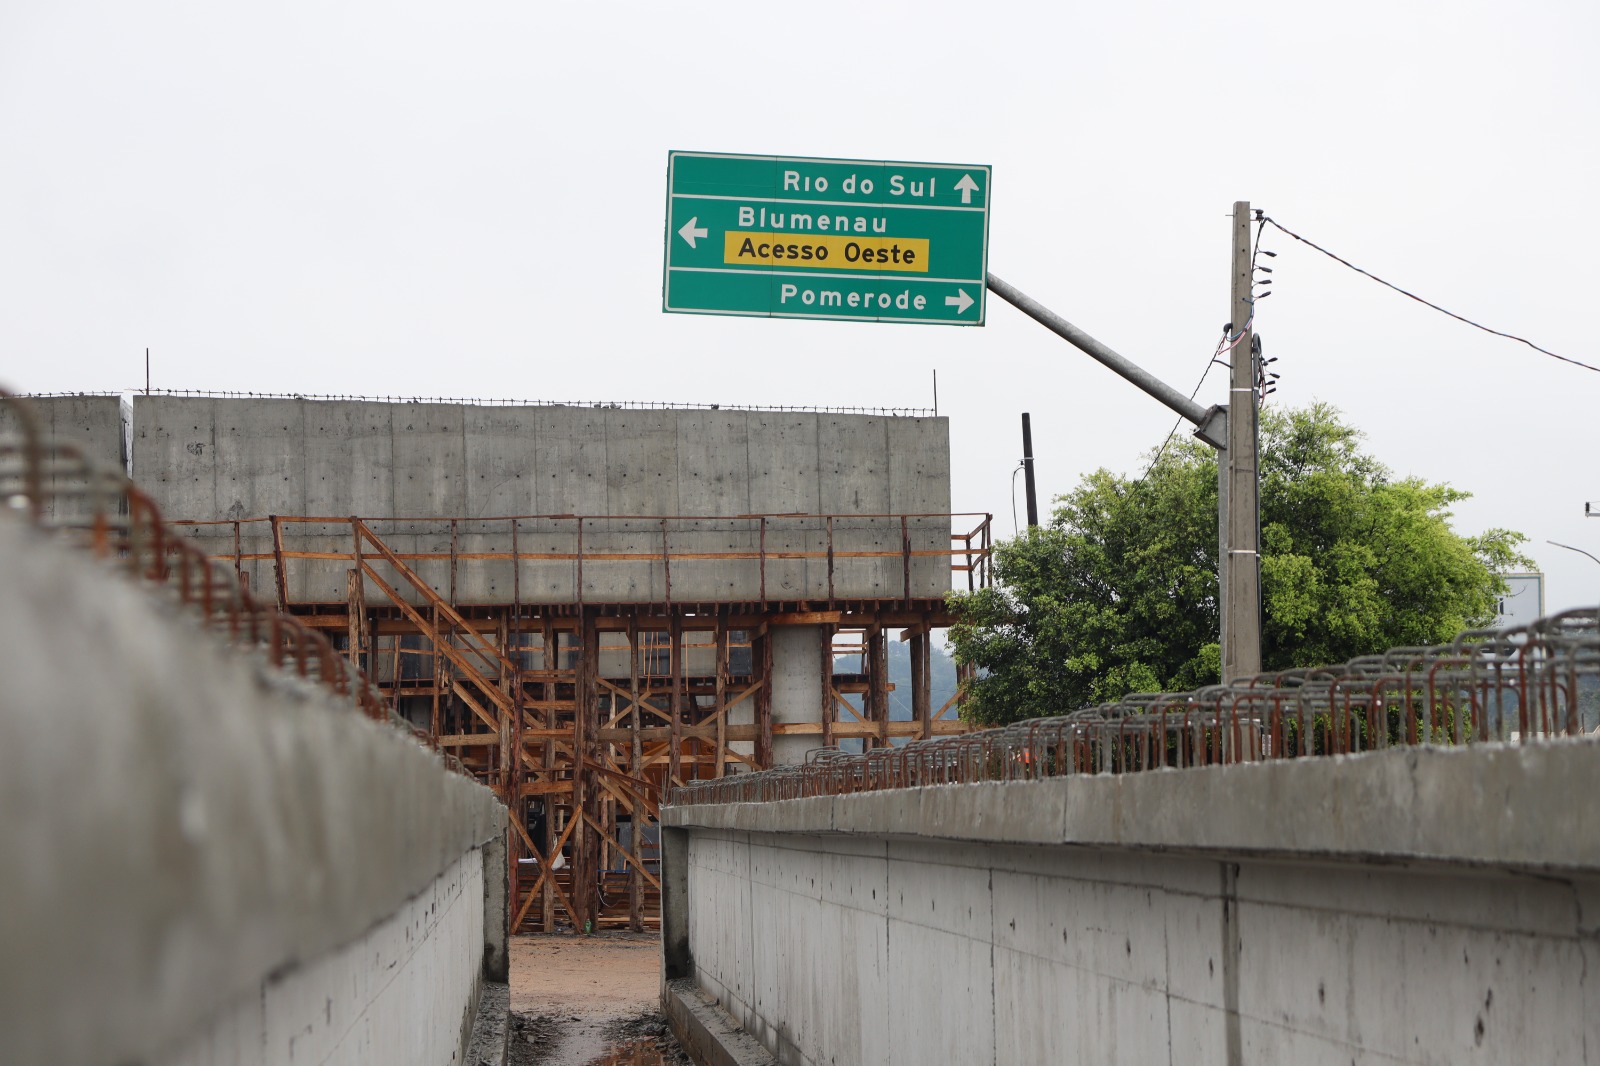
x: 785, y: 237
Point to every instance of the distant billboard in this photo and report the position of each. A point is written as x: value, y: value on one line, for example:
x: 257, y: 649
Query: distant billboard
x: 1522, y: 602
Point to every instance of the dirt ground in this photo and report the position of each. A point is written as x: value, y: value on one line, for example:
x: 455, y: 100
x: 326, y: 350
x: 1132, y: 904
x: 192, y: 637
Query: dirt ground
x: 582, y: 1000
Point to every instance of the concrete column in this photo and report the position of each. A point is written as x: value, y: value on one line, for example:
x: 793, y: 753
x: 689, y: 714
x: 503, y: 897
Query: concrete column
x: 496, y: 908
x: 676, y: 961
x: 796, y: 682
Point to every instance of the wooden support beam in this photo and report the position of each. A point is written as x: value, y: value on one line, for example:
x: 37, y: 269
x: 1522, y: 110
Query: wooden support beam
x: 633, y: 860
x: 280, y: 577
x: 878, y: 652
x: 546, y: 881
x: 921, y: 713
x: 548, y: 757
x: 635, y: 769
x: 454, y: 558
x: 355, y: 618
x: 828, y: 695
x: 586, y: 859
x: 763, y: 737
x: 721, y: 696
x: 675, y: 633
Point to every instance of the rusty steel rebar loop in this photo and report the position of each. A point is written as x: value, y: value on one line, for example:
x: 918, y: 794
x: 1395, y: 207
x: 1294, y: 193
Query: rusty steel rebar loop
x: 1518, y: 685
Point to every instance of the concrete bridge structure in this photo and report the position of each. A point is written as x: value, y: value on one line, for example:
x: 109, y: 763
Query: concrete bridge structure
x: 226, y: 832
x: 585, y: 605
x: 235, y: 846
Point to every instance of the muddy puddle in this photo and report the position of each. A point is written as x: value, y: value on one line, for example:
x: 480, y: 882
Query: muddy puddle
x: 639, y: 1053
x: 573, y: 1040
x: 643, y: 1040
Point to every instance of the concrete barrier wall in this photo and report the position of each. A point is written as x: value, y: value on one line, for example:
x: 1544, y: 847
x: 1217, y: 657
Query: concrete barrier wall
x: 204, y: 860
x: 384, y: 998
x: 1409, y: 906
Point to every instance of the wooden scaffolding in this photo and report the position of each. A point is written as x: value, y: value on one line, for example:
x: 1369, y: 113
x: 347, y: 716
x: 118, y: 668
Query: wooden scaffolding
x: 581, y: 715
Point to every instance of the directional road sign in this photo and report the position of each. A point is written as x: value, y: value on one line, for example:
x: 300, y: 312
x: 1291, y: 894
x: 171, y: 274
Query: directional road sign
x: 784, y: 237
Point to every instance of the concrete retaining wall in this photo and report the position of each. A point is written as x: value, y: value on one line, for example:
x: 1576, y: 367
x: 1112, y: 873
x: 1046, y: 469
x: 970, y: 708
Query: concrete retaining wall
x: 1410, y: 906
x: 202, y: 860
x: 210, y: 458
x: 213, y: 458
x: 91, y: 424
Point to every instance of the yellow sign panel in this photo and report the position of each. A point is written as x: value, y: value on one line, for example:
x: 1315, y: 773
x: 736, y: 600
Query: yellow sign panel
x: 825, y: 251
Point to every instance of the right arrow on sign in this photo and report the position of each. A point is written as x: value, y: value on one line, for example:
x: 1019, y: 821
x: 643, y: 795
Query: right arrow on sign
x: 960, y: 301
x: 967, y: 187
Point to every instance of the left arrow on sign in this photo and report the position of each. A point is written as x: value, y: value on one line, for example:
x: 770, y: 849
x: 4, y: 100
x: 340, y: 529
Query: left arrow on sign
x: 689, y: 232
x: 960, y: 301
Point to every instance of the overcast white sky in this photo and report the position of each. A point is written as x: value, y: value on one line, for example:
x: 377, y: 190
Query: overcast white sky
x: 467, y: 200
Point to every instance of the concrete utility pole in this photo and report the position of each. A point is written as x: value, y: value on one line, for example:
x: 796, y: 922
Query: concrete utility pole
x: 1238, y: 523
x: 1239, y: 559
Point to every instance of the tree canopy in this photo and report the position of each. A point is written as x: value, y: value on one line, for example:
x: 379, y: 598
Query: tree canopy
x: 1118, y: 593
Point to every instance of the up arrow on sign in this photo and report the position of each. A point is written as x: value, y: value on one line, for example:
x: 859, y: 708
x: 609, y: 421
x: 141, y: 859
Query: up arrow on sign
x: 966, y: 186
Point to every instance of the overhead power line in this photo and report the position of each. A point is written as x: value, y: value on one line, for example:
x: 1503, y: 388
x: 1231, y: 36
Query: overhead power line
x: 1230, y: 340
x: 1426, y: 303
x: 1216, y: 358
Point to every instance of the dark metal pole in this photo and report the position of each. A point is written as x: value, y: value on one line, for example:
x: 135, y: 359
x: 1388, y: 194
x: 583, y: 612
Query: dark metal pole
x: 1027, y: 470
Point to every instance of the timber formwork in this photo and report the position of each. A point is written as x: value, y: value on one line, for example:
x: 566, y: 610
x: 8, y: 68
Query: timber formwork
x: 581, y: 715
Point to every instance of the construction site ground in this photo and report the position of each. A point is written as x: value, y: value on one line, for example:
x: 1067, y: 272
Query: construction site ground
x: 589, y: 1000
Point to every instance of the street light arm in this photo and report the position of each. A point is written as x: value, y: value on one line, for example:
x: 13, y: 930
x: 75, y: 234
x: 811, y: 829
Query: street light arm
x: 1570, y: 548
x: 1211, y: 423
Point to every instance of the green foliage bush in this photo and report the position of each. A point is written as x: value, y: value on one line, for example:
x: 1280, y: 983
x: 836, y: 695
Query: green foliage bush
x: 1118, y: 593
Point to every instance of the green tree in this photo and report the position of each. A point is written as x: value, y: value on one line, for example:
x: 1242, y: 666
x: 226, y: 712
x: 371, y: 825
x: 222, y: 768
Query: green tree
x: 1118, y: 593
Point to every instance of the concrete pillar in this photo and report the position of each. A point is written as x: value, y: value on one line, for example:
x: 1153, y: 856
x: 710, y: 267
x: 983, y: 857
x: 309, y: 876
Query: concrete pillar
x: 676, y: 960
x: 796, y: 682
x: 496, y: 908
